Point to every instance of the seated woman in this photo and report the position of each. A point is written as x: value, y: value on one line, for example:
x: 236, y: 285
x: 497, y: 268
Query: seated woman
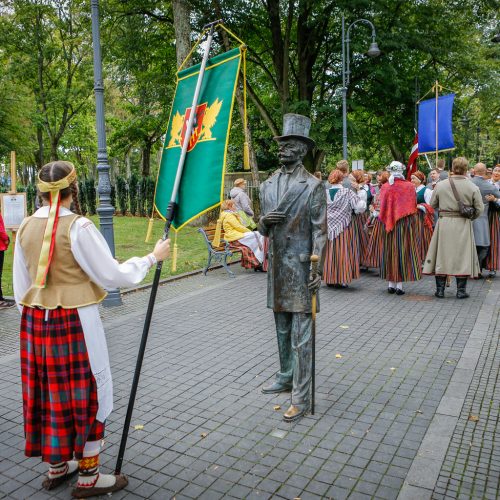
x: 341, y: 257
x: 251, y: 243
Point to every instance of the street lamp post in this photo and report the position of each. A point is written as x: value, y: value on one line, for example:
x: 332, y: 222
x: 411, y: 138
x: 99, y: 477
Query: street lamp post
x: 373, y: 51
x: 105, y: 210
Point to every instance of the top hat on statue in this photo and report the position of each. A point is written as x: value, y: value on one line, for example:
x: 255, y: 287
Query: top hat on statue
x: 296, y: 127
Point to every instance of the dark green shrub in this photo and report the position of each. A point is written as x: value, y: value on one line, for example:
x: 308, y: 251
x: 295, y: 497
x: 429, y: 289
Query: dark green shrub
x: 150, y: 196
x: 30, y: 198
x: 122, y: 195
x: 133, y: 191
x: 81, y: 197
x: 90, y: 196
x: 142, y: 195
x: 112, y: 195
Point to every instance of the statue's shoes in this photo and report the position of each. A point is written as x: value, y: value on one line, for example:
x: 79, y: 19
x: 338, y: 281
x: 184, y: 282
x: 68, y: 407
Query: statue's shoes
x: 275, y: 388
x: 295, y: 412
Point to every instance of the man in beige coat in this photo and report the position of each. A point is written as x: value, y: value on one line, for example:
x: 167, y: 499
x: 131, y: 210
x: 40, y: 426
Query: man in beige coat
x: 452, y: 251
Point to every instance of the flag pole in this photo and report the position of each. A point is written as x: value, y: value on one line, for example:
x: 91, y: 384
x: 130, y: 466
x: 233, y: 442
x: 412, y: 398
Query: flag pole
x: 168, y: 221
x: 437, y: 126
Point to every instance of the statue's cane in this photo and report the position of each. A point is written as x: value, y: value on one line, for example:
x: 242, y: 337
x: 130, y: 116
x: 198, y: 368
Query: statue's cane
x: 314, y: 269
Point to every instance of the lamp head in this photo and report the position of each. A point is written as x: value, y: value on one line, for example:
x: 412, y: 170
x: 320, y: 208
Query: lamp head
x: 373, y: 51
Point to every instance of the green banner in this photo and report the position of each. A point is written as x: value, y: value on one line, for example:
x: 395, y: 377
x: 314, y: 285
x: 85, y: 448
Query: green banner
x: 202, y: 183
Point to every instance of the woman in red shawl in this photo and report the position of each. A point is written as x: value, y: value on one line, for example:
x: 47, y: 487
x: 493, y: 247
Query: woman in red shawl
x: 401, y: 256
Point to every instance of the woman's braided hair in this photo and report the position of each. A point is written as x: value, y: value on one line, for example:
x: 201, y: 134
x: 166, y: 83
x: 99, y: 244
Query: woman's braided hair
x: 55, y: 171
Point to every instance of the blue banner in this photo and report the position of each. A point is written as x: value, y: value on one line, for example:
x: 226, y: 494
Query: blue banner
x: 427, y: 124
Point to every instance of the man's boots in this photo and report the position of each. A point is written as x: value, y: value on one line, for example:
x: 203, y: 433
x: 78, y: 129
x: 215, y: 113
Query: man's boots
x: 440, y: 286
x: 461, y: 288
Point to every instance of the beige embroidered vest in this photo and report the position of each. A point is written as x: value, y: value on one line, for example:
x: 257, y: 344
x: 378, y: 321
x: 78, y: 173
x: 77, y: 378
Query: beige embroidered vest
x: 67, y: 284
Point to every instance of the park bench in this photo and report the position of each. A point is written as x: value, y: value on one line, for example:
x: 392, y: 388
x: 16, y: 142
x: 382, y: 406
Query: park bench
x: 218, y: 254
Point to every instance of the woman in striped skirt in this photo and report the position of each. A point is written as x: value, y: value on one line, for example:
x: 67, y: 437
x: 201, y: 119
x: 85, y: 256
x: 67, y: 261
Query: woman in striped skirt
x: 342, y: 249
x: 359, y: 220
x: 401, y: 257
x: 375, y: 228
x: 425, y: 212
x: 61, y: 265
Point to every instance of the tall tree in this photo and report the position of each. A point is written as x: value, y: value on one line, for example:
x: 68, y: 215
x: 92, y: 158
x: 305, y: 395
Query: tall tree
x: 51, y: 51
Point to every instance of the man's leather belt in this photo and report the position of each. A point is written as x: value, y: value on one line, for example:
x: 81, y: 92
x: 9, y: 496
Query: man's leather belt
x: 449, y: 213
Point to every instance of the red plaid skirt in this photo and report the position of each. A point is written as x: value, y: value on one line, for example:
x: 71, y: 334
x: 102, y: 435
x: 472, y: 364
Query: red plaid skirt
x: 248, y: 259
x: 59, y: 389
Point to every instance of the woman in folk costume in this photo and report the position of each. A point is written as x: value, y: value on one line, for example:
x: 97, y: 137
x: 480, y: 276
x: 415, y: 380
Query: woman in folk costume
x: 452, y: 251
x: 359, y: 220
x: 401, y: 257
x: 493, y: 259
x: 425, y: 212
x: 341, y: 257
x: 375, y: 228
x: 250, y: 243
x: 61, y: 265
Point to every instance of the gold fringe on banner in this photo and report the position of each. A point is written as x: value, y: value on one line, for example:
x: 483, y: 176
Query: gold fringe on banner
x: 246, y: 148
x: 174, y: 254
x: 149, y: 231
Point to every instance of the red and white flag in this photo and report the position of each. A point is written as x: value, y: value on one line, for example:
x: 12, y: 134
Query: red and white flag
x: 411, y: 168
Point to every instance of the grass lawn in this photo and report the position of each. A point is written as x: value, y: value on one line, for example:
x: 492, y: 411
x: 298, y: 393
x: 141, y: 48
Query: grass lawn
x: 130, y: 233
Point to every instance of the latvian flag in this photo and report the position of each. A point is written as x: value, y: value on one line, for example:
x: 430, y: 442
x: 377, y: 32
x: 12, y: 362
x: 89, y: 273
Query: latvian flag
x: 411, y: 168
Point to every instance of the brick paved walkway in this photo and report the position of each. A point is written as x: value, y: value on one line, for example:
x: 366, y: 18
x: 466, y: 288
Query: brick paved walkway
x: 209, y: 432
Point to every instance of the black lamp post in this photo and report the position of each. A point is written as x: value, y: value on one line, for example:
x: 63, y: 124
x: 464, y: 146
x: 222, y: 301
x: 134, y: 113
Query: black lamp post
x: 105, y: 210
x: 373, y: 51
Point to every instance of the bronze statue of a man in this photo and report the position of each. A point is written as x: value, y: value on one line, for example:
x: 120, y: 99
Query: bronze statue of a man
x: 293, y: 216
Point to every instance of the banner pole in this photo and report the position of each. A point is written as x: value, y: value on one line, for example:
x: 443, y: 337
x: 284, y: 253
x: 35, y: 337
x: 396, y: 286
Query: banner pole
x: 156, y: 281
x: 437, y: 126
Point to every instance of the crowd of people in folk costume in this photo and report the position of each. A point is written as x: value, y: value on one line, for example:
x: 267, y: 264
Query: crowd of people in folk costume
x: 62, y: 264
x: 404, y: 228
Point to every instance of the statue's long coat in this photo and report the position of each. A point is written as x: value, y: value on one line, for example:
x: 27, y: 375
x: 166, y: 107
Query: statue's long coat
x: 292, y: 242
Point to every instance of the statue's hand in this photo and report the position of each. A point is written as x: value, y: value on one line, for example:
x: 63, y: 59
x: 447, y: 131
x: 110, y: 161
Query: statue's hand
x: 273, y: 218
x: 314, y: 283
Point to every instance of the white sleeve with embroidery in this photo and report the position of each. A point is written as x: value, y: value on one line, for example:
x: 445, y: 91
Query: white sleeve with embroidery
x: 93, y: 255
x: 427, y: 196
x: 21, y: 277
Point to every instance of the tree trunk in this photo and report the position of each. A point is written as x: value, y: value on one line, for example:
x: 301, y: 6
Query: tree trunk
x: 146, y: 159
x: 396, y: 153
x: 54, y: 155
x: 128, y: 169
x: 182, y: 29
x: 263, y: 111
x: 39, y: 154
x: 319, y: 156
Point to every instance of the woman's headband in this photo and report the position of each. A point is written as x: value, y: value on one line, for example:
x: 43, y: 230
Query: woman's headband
x: 52, y: 187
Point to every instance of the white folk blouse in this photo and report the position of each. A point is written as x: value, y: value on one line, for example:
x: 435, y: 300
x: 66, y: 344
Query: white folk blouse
x: 93, y: 255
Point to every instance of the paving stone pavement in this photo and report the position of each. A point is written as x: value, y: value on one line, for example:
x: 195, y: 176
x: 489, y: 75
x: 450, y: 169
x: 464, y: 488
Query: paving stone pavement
x: 472, y: 464
x: 384, y: 365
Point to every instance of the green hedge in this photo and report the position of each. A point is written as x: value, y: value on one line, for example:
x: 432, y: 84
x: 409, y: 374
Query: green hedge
x: 132, y: 196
